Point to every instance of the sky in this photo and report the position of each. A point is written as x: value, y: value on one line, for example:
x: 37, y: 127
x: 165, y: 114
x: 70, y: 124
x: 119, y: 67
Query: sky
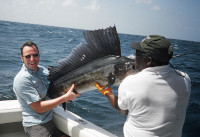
x: 177, y: 19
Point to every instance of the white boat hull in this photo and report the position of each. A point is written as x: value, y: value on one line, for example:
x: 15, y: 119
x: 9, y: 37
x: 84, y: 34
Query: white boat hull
x: 66, y: 121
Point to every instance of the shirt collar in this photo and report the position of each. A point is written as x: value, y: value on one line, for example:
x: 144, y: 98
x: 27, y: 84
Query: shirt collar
x: 30, y: 71
x: 163, y: 68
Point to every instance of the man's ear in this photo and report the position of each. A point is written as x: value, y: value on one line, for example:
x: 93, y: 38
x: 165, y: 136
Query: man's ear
x: 22, y: 59
x: 149, y: 61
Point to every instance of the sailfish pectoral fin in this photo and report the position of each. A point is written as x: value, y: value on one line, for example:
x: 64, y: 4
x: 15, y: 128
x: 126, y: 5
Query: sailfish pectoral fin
x: 111, y: 80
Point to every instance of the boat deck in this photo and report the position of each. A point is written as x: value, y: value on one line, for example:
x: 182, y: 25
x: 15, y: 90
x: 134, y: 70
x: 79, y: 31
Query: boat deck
x: 12, y: 130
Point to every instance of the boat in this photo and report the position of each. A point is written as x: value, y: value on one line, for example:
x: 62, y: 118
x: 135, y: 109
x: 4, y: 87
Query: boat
x: 66, y: 121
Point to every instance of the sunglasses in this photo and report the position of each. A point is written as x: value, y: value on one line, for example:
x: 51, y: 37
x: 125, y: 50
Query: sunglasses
x: 29, y: 56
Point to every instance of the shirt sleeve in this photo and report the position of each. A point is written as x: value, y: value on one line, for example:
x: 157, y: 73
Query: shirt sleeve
x: 122, y: 98
x: 25, y: 89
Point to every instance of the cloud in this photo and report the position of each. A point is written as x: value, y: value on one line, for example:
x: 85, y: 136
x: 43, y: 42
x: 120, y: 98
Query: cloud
x: 20, y: 2
x: 155, y: 8
x: 47, y: 2
x: 143, y: 1
x: 93, y: 6
x: 67, y: 3
x: 50, y: 4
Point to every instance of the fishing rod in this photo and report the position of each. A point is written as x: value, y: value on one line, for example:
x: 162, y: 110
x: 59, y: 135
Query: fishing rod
x: 180, y: 56
x: 185, y: 54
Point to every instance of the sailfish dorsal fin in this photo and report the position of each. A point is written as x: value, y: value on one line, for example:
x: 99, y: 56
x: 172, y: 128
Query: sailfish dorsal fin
x: 100, y: 43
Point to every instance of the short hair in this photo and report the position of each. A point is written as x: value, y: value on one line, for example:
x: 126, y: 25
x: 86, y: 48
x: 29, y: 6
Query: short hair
x: 30, y: 44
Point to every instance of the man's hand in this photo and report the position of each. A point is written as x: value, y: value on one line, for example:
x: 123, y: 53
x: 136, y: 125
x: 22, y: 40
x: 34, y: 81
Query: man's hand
x: 70, y: 94
x: 101, y: 89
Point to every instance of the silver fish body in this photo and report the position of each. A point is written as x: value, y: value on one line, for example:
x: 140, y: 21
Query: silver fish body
x: 100, y: 70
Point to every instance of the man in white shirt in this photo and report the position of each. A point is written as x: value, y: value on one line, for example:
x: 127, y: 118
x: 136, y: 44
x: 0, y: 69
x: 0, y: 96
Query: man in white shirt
x: 155, y: 98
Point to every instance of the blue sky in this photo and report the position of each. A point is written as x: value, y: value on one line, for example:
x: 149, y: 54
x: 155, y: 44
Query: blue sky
x: 178, y: 19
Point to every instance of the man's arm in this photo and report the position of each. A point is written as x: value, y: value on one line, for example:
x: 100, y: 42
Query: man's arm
x: 114, y: 103
x: 43, y: 106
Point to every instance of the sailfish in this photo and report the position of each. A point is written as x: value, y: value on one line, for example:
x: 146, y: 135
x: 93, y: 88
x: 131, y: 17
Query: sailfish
x: 99, y: 60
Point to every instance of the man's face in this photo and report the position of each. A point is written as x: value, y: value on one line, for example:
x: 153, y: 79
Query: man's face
x: 140, y: 61
x: 30, y: 58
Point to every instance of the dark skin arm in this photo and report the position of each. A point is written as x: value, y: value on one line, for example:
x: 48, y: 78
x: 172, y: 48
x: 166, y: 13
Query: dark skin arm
x: 111, y: 97
x: 114, y: 103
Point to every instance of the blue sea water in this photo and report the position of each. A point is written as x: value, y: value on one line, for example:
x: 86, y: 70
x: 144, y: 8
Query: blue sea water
x: 56, y: 43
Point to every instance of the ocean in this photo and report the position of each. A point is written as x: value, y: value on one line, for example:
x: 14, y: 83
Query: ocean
x: 56, y: 43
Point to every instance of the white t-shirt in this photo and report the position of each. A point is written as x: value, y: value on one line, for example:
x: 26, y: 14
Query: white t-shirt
x: 157, y: 99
